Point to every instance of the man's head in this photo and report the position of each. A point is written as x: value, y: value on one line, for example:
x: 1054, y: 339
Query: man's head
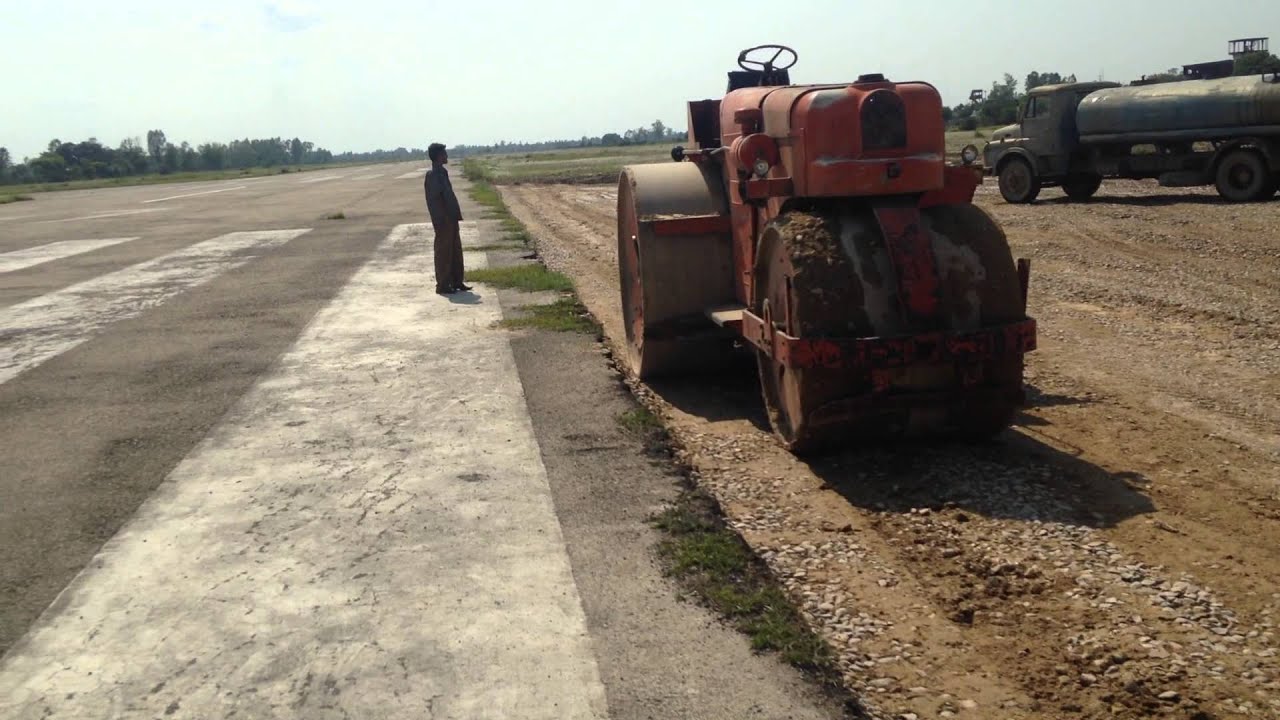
x: 437, y: 153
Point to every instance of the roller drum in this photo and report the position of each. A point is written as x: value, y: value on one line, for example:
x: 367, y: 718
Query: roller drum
x: 669, y: 281
x: 830, y: 274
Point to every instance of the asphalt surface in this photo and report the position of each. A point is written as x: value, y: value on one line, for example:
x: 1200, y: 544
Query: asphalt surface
x: 253, y: 464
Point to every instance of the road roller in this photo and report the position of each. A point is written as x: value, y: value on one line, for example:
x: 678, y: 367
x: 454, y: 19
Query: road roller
x: 822, y: 229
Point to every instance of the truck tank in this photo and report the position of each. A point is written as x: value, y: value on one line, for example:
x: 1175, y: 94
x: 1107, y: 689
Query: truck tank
x: 1181, y: 111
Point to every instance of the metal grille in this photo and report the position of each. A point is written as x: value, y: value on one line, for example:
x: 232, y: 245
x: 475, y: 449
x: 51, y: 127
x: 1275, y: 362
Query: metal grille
x: 884, y: 121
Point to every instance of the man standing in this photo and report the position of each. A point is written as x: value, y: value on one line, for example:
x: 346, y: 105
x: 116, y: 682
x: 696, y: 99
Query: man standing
x: 442, y: 205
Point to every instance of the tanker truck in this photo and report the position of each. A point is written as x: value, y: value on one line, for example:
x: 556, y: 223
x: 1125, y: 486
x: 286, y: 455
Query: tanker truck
x: 1223, y: 132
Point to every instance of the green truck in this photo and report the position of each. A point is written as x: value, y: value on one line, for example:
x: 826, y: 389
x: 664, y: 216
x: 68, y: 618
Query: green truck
x: 1223, y: 132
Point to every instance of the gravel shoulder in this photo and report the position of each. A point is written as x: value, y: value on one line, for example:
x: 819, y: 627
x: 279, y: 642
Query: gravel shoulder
x: 660, y: 656
x: 1115, y: 547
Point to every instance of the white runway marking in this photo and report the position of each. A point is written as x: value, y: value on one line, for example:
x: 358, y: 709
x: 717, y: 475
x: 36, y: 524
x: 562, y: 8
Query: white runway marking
x: 469, y: 233
x: 15, y: 217
x: 368, y: 177
x: 19, y: 259
x: 319, y: 179
x: 415, y: 173
x: 368, y: 533
x: 195, y: 194
x: 113, y: 213
x: 49, y: 325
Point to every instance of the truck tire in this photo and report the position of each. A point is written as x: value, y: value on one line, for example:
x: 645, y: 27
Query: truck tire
x: 1018, y: 181
x: 1243, y: 176
x: 1081, y: 187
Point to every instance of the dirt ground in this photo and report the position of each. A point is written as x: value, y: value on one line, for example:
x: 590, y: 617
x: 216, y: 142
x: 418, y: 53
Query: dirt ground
x: 1114, y: 555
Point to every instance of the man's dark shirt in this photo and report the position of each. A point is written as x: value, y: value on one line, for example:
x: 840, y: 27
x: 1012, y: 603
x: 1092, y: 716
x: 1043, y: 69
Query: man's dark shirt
x: 442, y: 204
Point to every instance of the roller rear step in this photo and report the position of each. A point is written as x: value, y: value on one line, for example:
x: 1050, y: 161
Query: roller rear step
x: 727, y: 316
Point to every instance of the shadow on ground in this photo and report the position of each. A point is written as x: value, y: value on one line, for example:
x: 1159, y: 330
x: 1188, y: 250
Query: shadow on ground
x: 1142, y: 200
x: 1012, y: 476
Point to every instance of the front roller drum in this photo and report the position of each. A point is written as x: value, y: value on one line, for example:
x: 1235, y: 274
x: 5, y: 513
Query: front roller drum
x: 670, y: 273
x: 829, y: 274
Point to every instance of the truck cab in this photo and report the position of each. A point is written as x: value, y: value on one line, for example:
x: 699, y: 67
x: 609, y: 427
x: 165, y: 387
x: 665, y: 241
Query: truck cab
x: 1043, y: 147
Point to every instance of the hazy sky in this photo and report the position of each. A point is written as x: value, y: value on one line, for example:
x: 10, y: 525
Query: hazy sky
x: 368, y: 74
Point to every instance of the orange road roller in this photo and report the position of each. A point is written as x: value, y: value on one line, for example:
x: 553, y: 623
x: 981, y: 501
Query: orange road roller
x: 822, y: 228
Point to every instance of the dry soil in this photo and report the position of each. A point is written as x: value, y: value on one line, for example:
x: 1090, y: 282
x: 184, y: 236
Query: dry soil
x: 1113, y: 555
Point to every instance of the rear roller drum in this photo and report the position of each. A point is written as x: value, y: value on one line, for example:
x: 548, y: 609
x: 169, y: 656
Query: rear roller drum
x: 808, y: 283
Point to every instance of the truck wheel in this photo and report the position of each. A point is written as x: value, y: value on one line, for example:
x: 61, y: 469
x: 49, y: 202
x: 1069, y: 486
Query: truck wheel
x: 1242, y: 176
x: 1018, y: 182
x: 1081, y: 187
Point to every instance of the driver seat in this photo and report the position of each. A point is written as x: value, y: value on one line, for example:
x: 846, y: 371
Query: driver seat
x: 739, y: 79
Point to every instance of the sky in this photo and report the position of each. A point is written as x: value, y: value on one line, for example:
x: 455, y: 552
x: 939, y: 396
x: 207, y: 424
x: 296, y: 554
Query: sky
x: 373, y: 74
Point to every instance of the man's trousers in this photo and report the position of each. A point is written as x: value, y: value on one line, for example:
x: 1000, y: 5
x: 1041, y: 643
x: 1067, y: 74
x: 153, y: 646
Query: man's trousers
x: 448, y: 256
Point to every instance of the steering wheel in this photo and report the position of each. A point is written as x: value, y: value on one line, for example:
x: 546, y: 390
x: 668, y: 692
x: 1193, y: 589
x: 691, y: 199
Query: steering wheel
x: 766, y: 65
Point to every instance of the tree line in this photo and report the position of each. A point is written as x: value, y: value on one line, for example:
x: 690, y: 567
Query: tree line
x: 999, y: 105
x: 655, y: 132
x: 90, y: 159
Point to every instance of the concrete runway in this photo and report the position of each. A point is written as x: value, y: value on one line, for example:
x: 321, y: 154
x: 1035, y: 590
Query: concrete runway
x: 252, y: 465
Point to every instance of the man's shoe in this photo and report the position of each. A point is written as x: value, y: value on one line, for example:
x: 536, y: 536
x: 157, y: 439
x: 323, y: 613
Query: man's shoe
x: 445, y: 291
x: 464, y: 288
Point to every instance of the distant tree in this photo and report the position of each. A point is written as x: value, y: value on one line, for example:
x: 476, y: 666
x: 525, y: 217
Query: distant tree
x: 171, y: 159
x: 1163, y: 76
x: 5, y: 162
x: 296, y: 151
x: 1001, y: 104
x: 155, y: 146
x: 190, y: 159
x: 1256, y: 63
x: 240, y: 154
x: 611, y: 139
x: 131, y: 158
x: 659, y: 130
x: 50, y: 167
x: 947, y: 114
x: 213, y: 156
x: 21, y: 174
x: 1036, y: 79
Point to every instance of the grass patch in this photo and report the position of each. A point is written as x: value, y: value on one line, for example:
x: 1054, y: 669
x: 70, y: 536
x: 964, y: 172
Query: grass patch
x: 718, y: 567
x: 6, y: 199
x: 639, y: 420
x: 603, y: 164
x: 574, y: 165
x: 564, y: 315
x: 491, y: 247
x: 529, y: 277
x: 641, y: 423
x: 957, y: 139
x: 336, y: 216
x: 480, y: 173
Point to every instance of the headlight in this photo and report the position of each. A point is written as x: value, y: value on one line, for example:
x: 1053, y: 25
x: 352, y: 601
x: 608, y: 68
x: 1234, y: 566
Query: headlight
x: 761, y: 167
x: 969, y: 154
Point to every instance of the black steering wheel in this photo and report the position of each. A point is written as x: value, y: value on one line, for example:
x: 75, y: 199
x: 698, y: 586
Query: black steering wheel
x: 766, y: 65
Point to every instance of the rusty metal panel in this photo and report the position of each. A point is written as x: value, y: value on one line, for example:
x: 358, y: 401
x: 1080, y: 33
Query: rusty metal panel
x: 911, y: 252
x: 886, y: 353
x: 837, y: 158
